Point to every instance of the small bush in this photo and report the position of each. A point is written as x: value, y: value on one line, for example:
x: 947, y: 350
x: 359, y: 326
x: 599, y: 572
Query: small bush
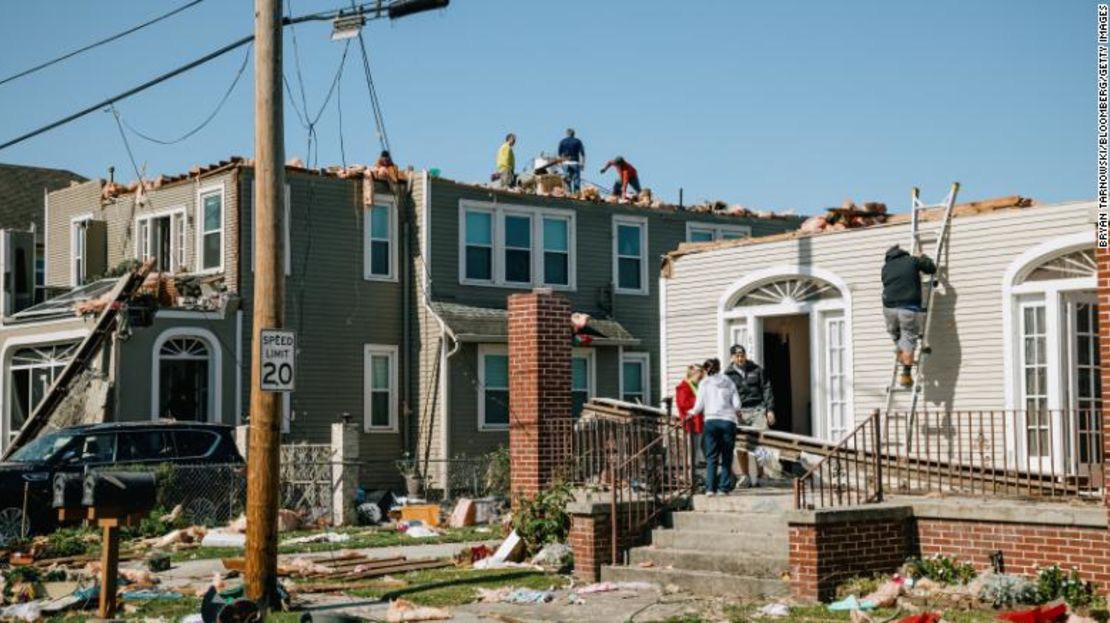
x: 498, y: 473
x: 1006, y: 591
x: 65, y: 542
x: 859, y: 586
x: 544, y: 519
x: 1054, y: 583
x: 941, y: 569
x: 152, y: 526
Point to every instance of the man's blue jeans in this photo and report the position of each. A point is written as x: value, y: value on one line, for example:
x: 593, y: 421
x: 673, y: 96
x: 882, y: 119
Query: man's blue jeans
x: 573, y: 177
x: 720, y: 447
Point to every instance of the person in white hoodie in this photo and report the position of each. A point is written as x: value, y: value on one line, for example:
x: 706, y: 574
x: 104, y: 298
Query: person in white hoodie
x: 719, y: 401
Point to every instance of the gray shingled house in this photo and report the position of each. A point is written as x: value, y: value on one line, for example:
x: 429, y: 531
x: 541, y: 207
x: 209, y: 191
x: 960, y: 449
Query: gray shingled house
x: 398, y: 300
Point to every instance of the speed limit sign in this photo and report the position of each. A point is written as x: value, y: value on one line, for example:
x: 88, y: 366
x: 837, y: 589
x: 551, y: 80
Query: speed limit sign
x: 279, y: 351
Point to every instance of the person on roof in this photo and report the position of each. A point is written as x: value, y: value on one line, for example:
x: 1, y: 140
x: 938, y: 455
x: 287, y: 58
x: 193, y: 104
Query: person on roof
x: 573, y: 153
x: 506, y: 162
x: 628, y: 176
x: 385, y: 168
x: 901, y: 277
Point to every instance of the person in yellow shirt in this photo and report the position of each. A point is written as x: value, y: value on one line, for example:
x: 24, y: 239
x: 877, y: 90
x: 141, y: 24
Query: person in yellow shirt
x: 506, y: 162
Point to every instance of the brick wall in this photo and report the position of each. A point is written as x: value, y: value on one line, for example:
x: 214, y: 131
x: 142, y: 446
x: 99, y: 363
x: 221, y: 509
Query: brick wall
x: 823, y: 554
x: 539, y: 388
x: 1025, y: 547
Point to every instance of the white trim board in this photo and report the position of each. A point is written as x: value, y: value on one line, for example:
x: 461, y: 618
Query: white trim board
x: 391, y: 352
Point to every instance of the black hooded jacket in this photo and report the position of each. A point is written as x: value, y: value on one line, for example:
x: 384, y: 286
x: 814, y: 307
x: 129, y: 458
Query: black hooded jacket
x: 902, y: 279
x: 753, y: 385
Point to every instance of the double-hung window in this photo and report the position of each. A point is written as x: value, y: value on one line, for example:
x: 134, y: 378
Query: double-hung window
x: 516, y: 246
x: 211, y: 229
x: 581, y: 380
x: 478, y: 254
x: 630, y: 254
x: 493, y: 386
x: 380, y: 388
x: 556, y: 251
x: 381, y: 228
x: 710, y: 232
x: 634, y: 378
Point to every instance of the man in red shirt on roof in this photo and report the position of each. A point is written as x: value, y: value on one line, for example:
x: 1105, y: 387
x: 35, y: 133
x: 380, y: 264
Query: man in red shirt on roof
x: 628, y: 176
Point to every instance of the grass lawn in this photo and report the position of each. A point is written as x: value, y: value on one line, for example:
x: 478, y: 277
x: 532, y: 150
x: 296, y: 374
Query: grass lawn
x: 361, y: 538
x: 818, y: 613
x: 166, y: 609
x: 452, y: 587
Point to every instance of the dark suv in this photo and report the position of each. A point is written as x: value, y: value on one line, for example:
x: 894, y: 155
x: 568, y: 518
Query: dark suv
x: 26, y: 478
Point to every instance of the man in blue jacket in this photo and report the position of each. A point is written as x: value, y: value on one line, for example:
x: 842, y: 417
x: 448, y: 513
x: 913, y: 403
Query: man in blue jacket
x: 902, y: 303
x: 573, y: 153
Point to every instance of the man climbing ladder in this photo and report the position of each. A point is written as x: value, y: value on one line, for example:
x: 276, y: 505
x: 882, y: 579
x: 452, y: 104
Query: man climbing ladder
x: 902, y: 303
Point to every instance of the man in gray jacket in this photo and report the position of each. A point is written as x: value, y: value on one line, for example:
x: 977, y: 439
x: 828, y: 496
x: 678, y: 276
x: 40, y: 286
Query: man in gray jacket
x: 757, y: 401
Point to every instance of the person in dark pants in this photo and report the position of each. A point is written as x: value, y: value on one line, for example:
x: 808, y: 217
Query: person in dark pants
x: 628, y: 176
x: 573, y: 153
x: 902, y: 303
x: 718, y: 401
x: 757, y: 402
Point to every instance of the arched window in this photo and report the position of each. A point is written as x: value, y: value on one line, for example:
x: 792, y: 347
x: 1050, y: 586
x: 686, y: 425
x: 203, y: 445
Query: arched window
x: 793, y: 290
x: 185, y: 379
x: 1076, y: 264
x: 33, y: 370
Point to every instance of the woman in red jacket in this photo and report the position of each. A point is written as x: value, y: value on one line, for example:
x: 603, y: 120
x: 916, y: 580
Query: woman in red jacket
x: 685, y: 395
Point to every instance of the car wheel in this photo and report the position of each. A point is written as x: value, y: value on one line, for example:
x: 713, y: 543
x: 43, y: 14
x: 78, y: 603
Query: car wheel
x: 201, y: 511
x: 11, y: 525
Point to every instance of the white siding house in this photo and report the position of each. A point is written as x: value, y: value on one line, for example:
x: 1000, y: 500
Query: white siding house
x: 1014, y: 326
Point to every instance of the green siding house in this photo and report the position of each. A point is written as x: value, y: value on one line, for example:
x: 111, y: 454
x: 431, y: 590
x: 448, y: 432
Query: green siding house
x: 397, y: 296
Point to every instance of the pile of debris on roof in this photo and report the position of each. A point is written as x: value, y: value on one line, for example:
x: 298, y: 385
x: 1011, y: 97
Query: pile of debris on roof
x: 737, y: 210
x: 847, y: 216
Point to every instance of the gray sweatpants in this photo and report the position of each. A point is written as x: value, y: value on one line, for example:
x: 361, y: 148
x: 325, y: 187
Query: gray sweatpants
x: 904, y: 326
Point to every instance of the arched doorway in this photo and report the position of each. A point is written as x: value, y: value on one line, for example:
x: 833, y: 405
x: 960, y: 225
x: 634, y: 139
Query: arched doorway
x: 796, y: 322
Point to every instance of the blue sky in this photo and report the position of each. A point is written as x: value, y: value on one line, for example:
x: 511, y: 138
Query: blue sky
x: 775, y: 105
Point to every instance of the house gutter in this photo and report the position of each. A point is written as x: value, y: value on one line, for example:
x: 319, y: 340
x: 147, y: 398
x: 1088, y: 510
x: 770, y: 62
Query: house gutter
x: 444, y: 330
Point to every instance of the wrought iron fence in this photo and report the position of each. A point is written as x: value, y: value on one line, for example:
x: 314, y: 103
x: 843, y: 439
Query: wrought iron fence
x: 1051, y: 453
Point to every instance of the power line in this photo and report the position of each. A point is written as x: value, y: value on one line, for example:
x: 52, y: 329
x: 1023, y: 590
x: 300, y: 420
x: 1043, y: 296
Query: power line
x: 118, y: 35
x: 375, y: 105
x: 128, y: 93
x: 207, y: 120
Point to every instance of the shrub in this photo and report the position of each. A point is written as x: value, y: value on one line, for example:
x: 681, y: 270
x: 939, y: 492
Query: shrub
x: 544, y: 519
x: 1053, y: 583
x: 1005, y: 591
x: 498, y: 473
x: 859, y: 585
x: 941, y: 569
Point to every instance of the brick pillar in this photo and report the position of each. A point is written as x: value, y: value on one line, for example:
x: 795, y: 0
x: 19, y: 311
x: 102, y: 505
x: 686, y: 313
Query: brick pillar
x: 1103, y: 258
x: 539, y: 388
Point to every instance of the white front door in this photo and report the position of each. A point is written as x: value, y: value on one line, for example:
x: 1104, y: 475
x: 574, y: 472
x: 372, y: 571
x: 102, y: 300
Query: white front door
x: 837, y: 419
x: 1084, y: 383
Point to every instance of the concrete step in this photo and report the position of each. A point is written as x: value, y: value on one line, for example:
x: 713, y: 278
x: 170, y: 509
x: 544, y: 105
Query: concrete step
x: 700, y: 582
x: 732, y: 560
x: 730, y: 522
x: 777, y: 544
x: 747, y: 500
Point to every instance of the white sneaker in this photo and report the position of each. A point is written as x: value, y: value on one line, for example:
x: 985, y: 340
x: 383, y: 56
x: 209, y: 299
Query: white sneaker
x: 710, y: 494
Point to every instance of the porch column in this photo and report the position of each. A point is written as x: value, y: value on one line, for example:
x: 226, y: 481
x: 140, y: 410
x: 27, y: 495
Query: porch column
x: 539, y: 334
x: 1102, y: 256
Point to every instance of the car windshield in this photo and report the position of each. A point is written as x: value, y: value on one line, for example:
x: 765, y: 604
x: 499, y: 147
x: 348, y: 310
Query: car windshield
x: 42, y: 449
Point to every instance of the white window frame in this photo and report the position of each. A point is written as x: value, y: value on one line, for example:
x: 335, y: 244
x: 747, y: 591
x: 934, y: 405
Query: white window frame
x: 483, y: 350
x: 498, y: 211
x: 590, y: 355
x: 391, y: 209
x: 836, y: 382
x: 215, y: 369
x: 286, y: 225
x: 390, y: 352
x: 645, y: 360
x: 716, y: 230
x: 631, y: 221
x: 77, y: 222
x: 542, y: 250
x: 200, y: 232
x: 178, y: 238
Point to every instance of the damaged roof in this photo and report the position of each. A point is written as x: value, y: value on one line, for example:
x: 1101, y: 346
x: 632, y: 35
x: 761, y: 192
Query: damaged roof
x: 971, y: 208
x: 487, y: 324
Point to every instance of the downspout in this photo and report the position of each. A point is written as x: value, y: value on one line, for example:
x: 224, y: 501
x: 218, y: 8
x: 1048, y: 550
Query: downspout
x: 445, y: 331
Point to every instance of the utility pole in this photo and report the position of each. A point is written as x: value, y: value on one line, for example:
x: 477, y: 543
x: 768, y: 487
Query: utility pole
x: 263, y: 455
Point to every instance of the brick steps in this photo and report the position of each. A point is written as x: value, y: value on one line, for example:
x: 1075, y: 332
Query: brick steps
x: 736, y: 523
x: 700, y: 582
x: 773, y: 543
x: 731, y: 561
